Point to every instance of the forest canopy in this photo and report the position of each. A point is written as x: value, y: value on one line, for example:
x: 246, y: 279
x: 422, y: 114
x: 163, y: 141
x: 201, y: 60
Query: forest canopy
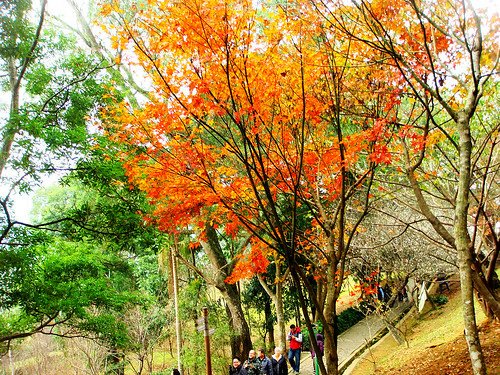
x: 247, y: 155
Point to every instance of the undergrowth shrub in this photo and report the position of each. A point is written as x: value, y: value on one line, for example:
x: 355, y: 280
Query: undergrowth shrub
x: 348, y: 318
x: 439, y: 299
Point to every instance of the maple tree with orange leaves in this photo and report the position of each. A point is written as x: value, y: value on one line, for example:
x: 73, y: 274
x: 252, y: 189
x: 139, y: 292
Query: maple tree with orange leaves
x: 254, y: 111
x: 270, y: 120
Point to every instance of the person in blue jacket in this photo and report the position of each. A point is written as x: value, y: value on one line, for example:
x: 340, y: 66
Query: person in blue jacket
x: 266, y: 368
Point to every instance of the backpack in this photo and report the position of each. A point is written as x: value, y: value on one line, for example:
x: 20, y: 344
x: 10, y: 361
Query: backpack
x: 321, y: 344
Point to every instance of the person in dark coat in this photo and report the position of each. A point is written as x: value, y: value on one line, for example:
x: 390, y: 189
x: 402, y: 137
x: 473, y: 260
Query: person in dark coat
x: 235, y: 368
x: 266, y: 368
x: 251, y: 365
x: 279, y: 362
x: 321, y: 346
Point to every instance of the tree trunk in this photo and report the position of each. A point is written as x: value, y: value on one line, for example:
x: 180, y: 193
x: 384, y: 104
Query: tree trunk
x: 280, y: 311
x: 241, y: 342
x: 269, y: 323
x: 11, y: 363
x: 328, y: 331
x: 178, y: 331
x: 331, y: 348
x: 277, y: 299
x: 331, y: 357
x: 463, y: 247
x: 486, y: 293
x: 12, y: 126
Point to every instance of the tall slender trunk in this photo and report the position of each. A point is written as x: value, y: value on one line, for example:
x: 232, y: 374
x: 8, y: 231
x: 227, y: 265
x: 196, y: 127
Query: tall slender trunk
x: 331, y: 344
x: 277, y: 298
x: 280, y: 310
x: 11, y: 363
x: 331, y: 357
x: 178, y: 332
x: 463, y: 247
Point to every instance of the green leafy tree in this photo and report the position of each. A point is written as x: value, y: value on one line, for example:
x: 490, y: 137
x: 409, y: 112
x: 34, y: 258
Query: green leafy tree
x: 67, y: 272
x: 66, y: 289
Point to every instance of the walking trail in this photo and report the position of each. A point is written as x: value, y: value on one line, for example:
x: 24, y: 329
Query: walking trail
x: 355, y: 339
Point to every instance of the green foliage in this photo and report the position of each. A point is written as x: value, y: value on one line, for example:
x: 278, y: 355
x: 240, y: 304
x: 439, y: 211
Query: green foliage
x: 64, y: 90
x: 191, y: 299
x: 15, y: 31
x: 148, y: 278
x: 193, y: 355
x: 306, y: 338
x: 439, y: 299
x: 14, y: 320
x: 65, y: 282
x: 76, y: 270
x: 108, y: 214
x: 348, y: 318
x: 63, y: 87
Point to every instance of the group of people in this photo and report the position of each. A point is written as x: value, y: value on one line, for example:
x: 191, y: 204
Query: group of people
x: 259, y: 364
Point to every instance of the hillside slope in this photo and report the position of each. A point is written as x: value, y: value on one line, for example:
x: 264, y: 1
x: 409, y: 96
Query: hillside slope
x: 436, y: 345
